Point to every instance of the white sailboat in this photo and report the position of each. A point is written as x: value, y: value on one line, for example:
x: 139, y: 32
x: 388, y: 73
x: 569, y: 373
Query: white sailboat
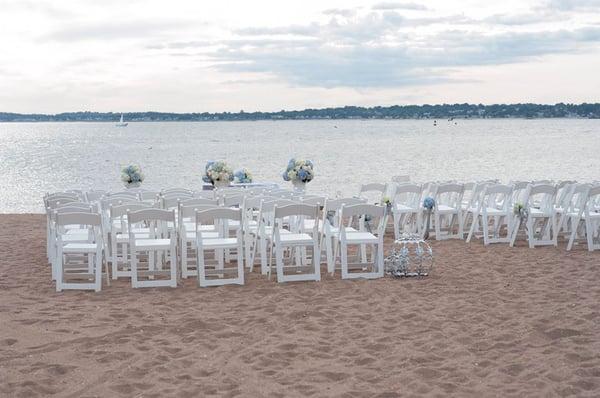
x: 121, y: 123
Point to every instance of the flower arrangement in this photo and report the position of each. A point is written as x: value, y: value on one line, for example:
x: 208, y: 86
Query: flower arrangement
x: 132, y: 175
x: 429, y: 203
x: 217, y: 172
x: 242, y: 176
x: 387, y: 202
x: 520, y: 210
x: 299, y: 171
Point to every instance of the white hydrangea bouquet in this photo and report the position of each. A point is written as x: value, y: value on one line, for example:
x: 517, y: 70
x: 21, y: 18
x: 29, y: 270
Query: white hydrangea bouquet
x: 299, y: 172
x: 132, y: 176
x: 217, y: 173
x: 242, y: 176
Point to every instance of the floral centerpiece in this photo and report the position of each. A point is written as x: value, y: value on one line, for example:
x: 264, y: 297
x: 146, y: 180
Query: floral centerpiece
x: 217, y: 173
x: 132, y: 176
x: 520, y: 210
x: 428, y: 205
x: 299, y: 172
x: 242, y: 176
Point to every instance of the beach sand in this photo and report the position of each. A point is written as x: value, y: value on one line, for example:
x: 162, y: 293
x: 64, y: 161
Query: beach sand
x: 493, y: 321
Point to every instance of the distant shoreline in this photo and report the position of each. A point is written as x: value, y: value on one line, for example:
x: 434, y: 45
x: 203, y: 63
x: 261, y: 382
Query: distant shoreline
x: 414, y: 112
x: 296, y: 120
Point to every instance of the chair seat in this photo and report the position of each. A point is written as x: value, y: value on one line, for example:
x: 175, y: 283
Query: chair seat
x: 152, y: 244
x: 495, y: 212
x: 400, y: 208
x: 444, y: 209
x: 335, y: 230
x: 208, y: 234
x: 533, y: 212
x: 361, y: 237
x: 124, y: 238
x: 80, y: 237
x: 213, y: 243
x: 80, y: 248
x: 292, y: 238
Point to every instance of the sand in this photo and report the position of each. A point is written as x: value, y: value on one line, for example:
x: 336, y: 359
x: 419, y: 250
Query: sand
x: 494, y: 321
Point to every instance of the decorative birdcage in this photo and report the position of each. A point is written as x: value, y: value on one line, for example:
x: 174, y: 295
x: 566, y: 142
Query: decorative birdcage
x: 410, y: 256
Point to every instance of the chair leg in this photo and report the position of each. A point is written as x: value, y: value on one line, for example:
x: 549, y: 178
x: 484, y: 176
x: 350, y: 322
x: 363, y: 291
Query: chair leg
x: 279, y: 262
x: 329, y: 253
x: 200, y: 267
x: 173, y: 265
x: 344, y: 259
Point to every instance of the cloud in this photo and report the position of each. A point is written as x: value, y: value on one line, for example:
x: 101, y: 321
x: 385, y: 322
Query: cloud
x: 523, y: 19
x: 344, y: 12
x: 399, y: 5
x: 114, y: 30
x: 572, y: 5
x: 377, y: 50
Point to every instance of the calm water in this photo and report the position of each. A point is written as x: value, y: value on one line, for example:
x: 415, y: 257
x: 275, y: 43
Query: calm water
x: 45, y: 157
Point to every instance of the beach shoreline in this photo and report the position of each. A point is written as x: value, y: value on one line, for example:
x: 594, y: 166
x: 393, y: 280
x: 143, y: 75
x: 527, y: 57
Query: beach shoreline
x: 489, y: 321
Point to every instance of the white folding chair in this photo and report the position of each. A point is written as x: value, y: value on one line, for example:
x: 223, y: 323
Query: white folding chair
x: 298, y: 241
x: 494, y: 208
x: 260, y: 237
x: 447, y: 211
x: 541, y: 225
x: 330, y: 228
x: 187, y: 235
x: 119, y: 238
x: 79, y: 263
x: 161, y: 239
x: 406, y: 209
x: 368, y: 236
x: 215, y: 274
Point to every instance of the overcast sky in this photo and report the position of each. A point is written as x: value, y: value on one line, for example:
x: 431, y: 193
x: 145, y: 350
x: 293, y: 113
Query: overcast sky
x: 195, y: 56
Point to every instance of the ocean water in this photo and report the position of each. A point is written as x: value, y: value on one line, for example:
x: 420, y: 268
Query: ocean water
x: 44, y: 157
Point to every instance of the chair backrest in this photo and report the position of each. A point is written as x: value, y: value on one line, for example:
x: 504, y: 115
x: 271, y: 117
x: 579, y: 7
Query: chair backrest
x: 449, y: 194
x: 373, y: 192
x: 408, y: 195
x: 172, y: 201
x: 198, y: 202
x: 297, y: 209
x: 78, y: 218
x: 497, y: 196
x: 117, y: 211
x: 149, y: 195
x: 60, y: 200
x: 190, y: 211
x: 177, y: 192
x: 74, y: 208
x: 336, y: 204
x: 221, y: 213
x: 131, y: 194
x: 315, y: 200
x: 151, y: 215
x: 233, y: 200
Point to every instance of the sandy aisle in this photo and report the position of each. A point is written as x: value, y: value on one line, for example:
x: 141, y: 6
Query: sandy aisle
x: 488, y: 322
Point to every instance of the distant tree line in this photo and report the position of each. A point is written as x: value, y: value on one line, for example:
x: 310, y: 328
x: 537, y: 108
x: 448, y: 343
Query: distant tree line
x: 444, y: 111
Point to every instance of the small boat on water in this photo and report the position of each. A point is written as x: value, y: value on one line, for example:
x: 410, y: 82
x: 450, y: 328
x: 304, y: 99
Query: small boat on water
x: 121, y: 122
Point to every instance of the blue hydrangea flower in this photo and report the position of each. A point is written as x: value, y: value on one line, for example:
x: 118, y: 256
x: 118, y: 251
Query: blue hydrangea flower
x: 428, y: 203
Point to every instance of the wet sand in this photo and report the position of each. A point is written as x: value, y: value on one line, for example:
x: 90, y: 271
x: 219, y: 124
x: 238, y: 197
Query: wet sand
x: 493, y: 321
